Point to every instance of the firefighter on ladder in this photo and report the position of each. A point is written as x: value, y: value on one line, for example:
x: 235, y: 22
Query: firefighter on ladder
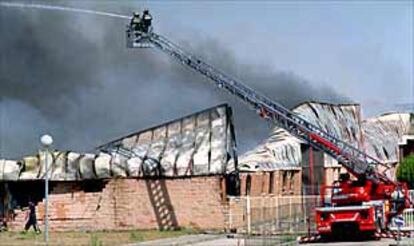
x: 136, y: 22
x: 146, y: 21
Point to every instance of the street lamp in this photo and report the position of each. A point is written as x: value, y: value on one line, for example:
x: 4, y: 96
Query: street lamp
x: 46, y: 141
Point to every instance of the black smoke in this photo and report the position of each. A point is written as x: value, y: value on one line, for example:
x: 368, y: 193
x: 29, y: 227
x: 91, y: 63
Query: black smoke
x: 72, y: 76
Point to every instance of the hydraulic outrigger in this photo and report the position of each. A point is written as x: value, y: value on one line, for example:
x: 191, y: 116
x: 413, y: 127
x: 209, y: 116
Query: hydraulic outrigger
x: 366, y: 203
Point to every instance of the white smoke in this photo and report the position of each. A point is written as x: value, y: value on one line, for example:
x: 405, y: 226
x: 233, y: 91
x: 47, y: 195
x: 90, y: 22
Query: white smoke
x: 60, y: 8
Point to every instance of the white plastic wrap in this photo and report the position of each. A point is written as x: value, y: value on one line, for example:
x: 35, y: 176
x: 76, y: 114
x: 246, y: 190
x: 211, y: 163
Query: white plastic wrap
x: 31, y: 168
x: 103, y: 165
x: 72, y: 166
x: 11, y: 170
x: 86, y: 166
x: 58, y: 166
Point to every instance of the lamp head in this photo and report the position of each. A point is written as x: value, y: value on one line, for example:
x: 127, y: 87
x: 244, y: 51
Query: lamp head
x: 46, y: 140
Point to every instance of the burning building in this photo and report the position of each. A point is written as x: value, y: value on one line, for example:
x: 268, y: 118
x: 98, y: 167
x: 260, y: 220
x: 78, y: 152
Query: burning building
x: 388, y: 138
x: 179, y: 174
x: 168, y: 176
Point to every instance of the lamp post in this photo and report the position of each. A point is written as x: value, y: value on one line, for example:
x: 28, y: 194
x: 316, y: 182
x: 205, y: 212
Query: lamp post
x: 46, y: 141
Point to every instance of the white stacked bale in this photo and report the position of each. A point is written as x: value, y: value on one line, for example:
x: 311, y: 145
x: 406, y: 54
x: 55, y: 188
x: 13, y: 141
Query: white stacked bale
x: 202, y: 144
x: 171, y: 149
x: 179, y: 148
x: 140, y: 150
x: 118, y: 165
x: 11, y: 170
x: 72, y: 165
x: 139, y: 154
x: 103, y: 165
x: 31, y: 168
x: 86, y: 166
x: 59, y: 166
x: 134, y: 167
x: 152, y: 161
x: 218, y: 144
x: 129, y: 142
x: 43, y: 156
x: 185, y: 157
x: 158, y: 144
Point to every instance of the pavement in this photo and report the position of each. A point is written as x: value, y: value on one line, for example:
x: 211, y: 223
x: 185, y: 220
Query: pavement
x: 182, y: 240
x: 224, y: 240
x: 196, y: 240
x: 382, y: 242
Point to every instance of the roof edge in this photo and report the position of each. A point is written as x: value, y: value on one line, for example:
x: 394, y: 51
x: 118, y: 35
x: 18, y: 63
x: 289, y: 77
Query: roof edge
x: 162, y: 124
x: 325, y: 103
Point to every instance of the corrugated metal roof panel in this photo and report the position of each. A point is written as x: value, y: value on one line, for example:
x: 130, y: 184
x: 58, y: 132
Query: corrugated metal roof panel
x: 378, y: 136
x: 198, y: 144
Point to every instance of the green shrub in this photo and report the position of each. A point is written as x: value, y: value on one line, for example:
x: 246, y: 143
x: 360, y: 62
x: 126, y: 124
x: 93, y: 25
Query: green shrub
x: 405, y: 171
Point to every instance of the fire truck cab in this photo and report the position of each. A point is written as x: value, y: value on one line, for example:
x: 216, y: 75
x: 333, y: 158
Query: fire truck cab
x: 358, y: 207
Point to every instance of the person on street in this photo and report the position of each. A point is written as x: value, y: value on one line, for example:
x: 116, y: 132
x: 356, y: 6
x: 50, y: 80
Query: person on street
x: 31, y: 219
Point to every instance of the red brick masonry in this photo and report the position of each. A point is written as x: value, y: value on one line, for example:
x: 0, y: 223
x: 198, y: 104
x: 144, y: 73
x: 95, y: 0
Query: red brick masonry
x: 127, y: 204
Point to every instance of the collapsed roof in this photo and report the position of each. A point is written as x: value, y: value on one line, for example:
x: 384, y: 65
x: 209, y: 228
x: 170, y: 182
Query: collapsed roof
x: 378, y: 136
x: 202, y: 144
x: 197, y: 144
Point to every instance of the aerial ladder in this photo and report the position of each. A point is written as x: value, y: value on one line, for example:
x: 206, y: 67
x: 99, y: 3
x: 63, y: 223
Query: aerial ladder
x: 366, y: 203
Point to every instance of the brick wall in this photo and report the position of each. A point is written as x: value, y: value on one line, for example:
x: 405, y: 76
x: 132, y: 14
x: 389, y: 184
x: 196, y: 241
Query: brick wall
x: 261, y: 182
x: 332, y: 174
x: 134, y: 204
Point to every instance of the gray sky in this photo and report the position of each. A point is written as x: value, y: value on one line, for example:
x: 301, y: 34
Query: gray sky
x: 363, y: 49
x: 291, y: 51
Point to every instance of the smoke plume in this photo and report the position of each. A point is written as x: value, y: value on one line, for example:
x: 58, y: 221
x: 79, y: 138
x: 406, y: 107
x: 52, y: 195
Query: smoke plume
x: 72, y: 76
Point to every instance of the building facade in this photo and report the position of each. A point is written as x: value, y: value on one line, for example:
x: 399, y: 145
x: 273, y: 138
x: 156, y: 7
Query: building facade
x: 168, y: 176
x: 387, y: 138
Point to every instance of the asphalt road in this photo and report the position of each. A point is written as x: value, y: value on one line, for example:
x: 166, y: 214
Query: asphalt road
x: 222, y: 240
x: 382, y: 242
x: 240, y: 242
